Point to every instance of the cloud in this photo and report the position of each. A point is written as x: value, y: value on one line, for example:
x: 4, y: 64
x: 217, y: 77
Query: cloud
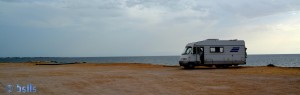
x: 142, y: 27
x: 270, y: 36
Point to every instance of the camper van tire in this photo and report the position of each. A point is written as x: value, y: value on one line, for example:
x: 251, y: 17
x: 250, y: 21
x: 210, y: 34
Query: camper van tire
x: 189, y: 66
x: 222, y: 66
x: 218, y: 66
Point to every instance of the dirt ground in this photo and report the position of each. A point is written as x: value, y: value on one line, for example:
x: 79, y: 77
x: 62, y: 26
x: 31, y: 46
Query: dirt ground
x: 146, y: 79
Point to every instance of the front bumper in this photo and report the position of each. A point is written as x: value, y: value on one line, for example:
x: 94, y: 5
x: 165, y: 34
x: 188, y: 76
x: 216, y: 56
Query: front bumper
x: 183, y: 63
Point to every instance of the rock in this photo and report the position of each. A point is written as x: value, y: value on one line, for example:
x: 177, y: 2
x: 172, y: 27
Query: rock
x: 271, y: 65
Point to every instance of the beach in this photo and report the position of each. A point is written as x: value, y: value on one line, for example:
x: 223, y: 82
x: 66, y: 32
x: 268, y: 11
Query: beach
x: 147, y: 79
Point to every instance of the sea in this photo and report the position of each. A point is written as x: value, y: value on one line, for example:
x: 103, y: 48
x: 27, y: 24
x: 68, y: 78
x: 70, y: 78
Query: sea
x: 283, y: 60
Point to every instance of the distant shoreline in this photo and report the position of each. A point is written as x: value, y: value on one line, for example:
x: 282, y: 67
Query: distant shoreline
x: 125, y: 63
x: 112, y: 56
x: 290, y: 60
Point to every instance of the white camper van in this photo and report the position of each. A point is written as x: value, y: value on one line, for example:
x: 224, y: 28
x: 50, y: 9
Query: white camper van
x: 214, y: 52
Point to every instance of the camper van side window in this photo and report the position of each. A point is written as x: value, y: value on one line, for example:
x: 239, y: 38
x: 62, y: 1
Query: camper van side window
x: 212, y: 49
x: 221, y: 49
x: 216, y: 49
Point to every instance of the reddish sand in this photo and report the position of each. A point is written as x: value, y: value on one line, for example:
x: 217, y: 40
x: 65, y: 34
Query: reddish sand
x: 137, y: 79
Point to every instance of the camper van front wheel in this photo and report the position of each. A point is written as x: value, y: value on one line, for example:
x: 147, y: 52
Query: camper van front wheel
x: 189, y: 66
x: 218, y: 66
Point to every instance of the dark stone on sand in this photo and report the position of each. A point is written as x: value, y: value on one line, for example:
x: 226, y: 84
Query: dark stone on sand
x: 271, y: 65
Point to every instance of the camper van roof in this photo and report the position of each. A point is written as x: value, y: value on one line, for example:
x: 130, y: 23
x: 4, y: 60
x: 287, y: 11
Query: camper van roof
x: 212, y: 39
x: 220, y: 42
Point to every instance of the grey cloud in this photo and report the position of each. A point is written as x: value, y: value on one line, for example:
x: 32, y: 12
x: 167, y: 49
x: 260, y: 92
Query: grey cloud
x: 149, y: 3
x: 94, y: 25
x: 257, y: 8
x: 17, y: 0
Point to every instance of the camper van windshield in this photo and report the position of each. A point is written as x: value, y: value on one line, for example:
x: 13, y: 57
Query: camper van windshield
x: 187, y: 50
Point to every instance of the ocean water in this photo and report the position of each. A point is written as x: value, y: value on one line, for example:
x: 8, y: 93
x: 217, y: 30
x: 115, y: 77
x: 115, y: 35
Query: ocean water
x: 284, y: 60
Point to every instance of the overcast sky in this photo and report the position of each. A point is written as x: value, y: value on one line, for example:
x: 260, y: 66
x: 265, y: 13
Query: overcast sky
x: 91, y: 28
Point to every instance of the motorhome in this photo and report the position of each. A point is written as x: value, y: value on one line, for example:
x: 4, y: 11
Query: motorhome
x: 214, y: 52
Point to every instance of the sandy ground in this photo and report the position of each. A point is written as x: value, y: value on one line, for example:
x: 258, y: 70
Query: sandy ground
x: 145, y: 79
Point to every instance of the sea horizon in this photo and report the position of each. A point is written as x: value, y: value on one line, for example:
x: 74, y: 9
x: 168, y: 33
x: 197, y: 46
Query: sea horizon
x: 284, y: 60
x: 126, y: 56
